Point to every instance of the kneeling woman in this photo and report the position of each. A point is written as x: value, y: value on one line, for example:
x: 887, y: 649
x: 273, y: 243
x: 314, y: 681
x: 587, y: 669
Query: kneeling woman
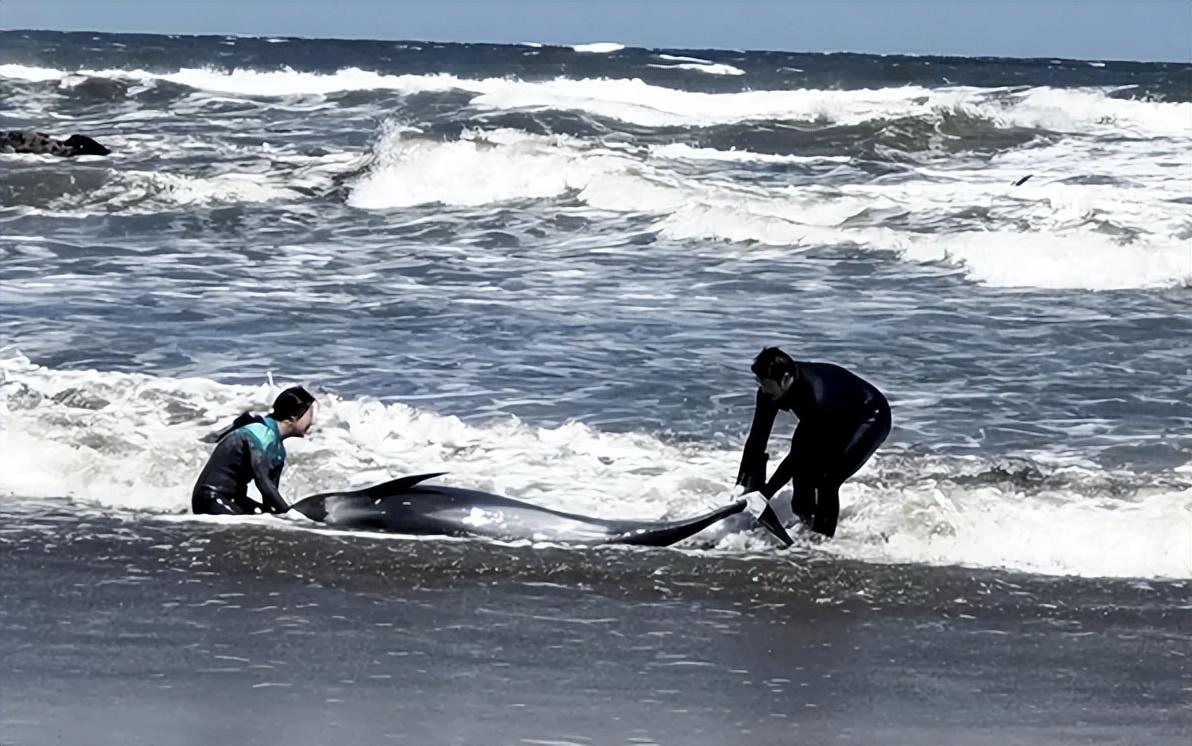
x: 251, y: 450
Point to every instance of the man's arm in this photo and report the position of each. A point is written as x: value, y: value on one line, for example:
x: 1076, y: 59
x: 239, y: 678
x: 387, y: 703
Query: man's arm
x: 782, y: 475
x: 806, y: 445
x: 752, y: 473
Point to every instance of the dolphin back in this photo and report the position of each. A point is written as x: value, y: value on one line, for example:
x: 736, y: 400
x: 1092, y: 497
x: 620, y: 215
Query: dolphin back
x: 315, y: 507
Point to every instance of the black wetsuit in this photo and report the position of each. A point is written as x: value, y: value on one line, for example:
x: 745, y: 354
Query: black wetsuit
x: 252, y: 453
x: 842, y: 421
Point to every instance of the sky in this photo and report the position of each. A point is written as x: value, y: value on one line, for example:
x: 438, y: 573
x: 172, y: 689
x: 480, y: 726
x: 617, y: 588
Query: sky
x: 1079, y: 29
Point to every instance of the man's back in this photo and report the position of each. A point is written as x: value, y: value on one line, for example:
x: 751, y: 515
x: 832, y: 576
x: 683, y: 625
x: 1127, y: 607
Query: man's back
x: 826, y: 390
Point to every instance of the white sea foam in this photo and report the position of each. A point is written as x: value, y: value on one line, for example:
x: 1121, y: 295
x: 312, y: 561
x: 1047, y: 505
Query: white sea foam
x: 1129, y: 230
x: 680, y: 58
x: 600, y: 47
x: 500, y: 166
x: 1063, y: 110
x: 1045, y: 233
x: 711, y: 68
x: 682, y: 151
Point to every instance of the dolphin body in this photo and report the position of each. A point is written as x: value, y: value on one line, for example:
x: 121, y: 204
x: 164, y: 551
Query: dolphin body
x: 408, y: 506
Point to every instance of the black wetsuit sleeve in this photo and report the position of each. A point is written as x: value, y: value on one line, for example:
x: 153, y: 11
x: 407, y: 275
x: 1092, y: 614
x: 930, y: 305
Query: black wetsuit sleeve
x: 267, y: 481
x: 752, y: 473
x: 785, y: 470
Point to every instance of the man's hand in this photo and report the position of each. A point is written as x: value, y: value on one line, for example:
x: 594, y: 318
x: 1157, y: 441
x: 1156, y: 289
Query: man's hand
x: 755, y: 503
x: 752, y: 475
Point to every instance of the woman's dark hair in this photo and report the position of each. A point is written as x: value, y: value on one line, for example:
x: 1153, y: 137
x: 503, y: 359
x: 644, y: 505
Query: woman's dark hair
x: 771, y: 363
x: 244, y: 418
x: 293, y: 402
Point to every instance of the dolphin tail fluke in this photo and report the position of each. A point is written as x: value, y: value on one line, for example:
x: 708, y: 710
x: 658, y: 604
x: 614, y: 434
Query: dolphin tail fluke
x: 769, y: 521
x: 759, y: 507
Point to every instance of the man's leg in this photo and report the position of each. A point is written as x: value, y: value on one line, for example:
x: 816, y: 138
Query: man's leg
x: 858, y: 449
x: 806, y: 446
x: 864, y: 441
x: 827, y: 509
x: 803, y: 499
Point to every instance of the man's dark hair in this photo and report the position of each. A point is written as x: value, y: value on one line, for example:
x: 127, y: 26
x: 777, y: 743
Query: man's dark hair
x: 771, y: 363
x: 293, y: 402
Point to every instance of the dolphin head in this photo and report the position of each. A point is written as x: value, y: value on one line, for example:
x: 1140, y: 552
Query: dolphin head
x: 314, y: 508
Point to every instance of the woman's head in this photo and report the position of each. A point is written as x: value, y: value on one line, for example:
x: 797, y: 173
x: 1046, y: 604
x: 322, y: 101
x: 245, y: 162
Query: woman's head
x: 295, y: 408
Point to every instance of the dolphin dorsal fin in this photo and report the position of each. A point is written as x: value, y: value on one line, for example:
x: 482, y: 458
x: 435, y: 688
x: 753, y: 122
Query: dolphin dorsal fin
x: 384, y: 489
x: 396, y: 486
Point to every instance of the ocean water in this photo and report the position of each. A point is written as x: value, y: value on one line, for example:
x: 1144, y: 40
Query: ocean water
x: 545, y: 270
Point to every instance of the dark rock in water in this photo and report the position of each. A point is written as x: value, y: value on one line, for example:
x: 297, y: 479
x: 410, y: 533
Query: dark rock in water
x: 110, y: 445
x: 79, y: 399
x: 178, y: 412
x: 19, y: 396
x: 39, y: 143
x: 175, y: 409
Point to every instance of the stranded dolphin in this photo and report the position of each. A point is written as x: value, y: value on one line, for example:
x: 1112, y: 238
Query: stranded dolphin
x: 409, y: 506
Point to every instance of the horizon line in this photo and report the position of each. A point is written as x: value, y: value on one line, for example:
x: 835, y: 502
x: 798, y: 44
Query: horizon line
x: 563, y: 45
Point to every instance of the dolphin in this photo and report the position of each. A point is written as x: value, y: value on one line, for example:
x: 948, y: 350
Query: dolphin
x: 409, y: 506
